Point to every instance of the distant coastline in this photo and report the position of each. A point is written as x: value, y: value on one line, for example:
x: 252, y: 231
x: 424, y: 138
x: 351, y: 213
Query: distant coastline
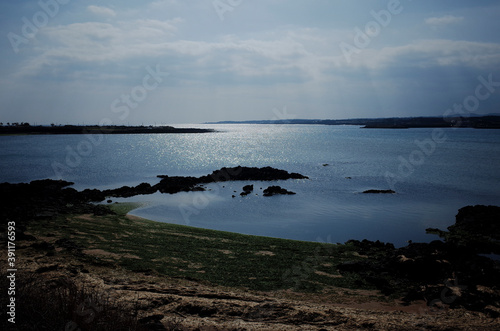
x: 477, y: 122
x: 25, y: 128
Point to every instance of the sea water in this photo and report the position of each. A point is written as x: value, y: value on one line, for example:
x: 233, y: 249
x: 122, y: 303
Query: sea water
x: 434, y: 172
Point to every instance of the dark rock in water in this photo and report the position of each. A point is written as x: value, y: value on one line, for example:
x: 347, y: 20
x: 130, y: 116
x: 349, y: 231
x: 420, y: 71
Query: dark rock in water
x: 46, y: 199
x: 249, y: 173
x: 179, y: 184
x: 247, y: 189
x: 379, y: 191
x: 273, y: 190
x: 126, y: 191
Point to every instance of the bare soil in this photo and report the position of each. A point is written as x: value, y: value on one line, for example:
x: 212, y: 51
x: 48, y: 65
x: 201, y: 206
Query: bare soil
x: 181, y: 304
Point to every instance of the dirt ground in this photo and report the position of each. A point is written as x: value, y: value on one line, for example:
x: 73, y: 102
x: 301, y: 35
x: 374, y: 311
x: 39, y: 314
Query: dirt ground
x: 180, y: 304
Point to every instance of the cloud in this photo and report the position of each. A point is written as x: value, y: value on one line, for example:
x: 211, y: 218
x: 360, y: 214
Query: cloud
x: 287, y: 56
x: 101, y: 11
x: 96, y: 41
x: 432, y: 53
x: 444, y: 20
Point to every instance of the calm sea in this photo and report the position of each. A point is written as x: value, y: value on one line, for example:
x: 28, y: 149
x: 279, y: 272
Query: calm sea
x: 433, y: 171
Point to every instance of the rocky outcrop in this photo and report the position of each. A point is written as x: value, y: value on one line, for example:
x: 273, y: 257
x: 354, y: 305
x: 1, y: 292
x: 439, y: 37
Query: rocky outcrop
x: 379, y: 191
x: 448, y: 272
x: 451, y: 271
x: 250, y: 173
x: 45, y: 199
x: 477, y: 229
x: 42, y: 199
x: 175, y: 184
x: 178, y: 184
x: 274, y: 190
x: 247, y: 189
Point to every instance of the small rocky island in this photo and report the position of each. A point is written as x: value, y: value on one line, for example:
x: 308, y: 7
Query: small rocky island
x: 274, y: 190
x: 379, y: 192
x: 45, y: 198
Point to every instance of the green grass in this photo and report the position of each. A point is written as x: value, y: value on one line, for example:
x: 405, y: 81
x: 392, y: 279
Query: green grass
x: 125, y: 207
x: 216, y: 257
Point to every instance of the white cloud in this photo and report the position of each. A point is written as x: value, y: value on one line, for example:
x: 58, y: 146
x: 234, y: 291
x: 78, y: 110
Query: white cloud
x: 443, y: 20
x: 281, y: 56
x: 432, y: 53
x: 101, y: 11
x: 289, y: 55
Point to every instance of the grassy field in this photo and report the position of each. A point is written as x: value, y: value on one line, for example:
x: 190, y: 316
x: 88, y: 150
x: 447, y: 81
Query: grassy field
x: 213, y: 257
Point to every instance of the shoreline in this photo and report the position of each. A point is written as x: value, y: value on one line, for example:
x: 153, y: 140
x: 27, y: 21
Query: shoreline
x: 95, y: 129
x: 223, y: 278
x: 478, y: 122
x: 195, y: 277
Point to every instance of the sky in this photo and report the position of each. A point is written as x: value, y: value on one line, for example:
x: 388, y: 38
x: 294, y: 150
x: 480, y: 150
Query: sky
x: 192, y: 61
